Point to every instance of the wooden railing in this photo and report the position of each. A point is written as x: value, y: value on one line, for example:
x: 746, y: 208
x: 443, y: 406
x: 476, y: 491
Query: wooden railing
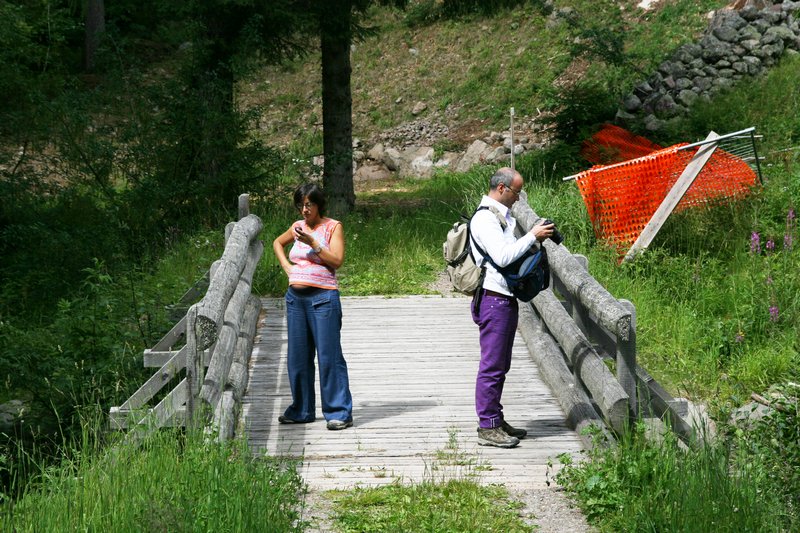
x: 209, y: 371
x: 572, y: 337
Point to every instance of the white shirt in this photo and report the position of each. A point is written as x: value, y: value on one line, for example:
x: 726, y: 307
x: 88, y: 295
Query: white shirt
x: 502, y: 245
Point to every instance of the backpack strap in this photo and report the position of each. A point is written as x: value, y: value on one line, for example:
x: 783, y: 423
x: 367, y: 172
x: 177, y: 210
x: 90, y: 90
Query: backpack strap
x: 503, y: 225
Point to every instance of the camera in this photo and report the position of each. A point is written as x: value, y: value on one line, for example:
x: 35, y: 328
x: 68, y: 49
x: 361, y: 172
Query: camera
x: 556, y: 237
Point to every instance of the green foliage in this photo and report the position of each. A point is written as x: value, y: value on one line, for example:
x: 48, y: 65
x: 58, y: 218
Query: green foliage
x: 580, y: 108
x: 644, y: 486
x: 774, y: 441
x: 453, y: 506
x: 425, y: 12
x: 171, y: 483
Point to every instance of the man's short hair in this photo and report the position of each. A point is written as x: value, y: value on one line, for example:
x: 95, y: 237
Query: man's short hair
x: 503, y: 175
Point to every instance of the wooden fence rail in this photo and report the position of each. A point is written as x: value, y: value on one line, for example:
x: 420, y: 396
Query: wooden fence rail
x: 573, y: 336
x: 217, y: 335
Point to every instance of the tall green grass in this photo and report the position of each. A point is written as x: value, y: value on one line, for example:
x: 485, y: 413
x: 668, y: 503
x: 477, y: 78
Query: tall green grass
x: 646, y: 486
x: 174, y: 482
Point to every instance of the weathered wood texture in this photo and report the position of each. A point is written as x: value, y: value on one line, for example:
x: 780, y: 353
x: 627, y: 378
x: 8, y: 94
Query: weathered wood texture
x: 218, y: 368
x: 211, y: 308
x: 577, y: 281
x: 586, y: 364
x: 412, y: 363
x: 239, y: 373
x: 545, y: 351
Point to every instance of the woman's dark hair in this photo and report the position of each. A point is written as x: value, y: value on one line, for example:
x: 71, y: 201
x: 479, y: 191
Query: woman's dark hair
x: 314, y: 194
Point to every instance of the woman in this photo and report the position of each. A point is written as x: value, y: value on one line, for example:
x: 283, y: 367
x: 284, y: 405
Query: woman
x: 314, y: 312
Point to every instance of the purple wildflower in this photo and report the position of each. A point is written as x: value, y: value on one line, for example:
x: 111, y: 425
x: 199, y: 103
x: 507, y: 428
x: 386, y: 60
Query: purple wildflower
x: 739, y: 337
x: 755, y: 243
x: 770, y: 245
x: 790, y: 215
x: 787, y: 242
x: 769, y: 280
x: 773, y: 313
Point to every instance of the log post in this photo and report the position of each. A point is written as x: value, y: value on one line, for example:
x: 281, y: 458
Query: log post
x: 580, y: 285
x: 220, y: 364
x: 626, y: 361
x: 224, y: 421
x: 244, y: 205
x: 238, y: 375
x: 194, y: 364
x: 223, y: 283
x: 587, y: 365
x: 573, y: 400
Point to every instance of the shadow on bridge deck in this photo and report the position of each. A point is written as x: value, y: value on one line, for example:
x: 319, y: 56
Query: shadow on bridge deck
x: 412, y: 363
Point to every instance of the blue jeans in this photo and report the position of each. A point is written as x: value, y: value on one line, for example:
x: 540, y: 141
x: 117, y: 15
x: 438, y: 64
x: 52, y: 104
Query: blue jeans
x: 314, y: 323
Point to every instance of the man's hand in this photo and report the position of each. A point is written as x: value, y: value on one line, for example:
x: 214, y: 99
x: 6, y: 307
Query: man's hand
x: 542, y: 231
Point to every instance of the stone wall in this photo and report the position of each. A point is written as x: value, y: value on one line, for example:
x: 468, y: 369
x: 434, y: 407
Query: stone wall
x: 738, y: 44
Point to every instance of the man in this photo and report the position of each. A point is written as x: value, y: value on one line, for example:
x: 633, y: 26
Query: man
x: 497, y: 311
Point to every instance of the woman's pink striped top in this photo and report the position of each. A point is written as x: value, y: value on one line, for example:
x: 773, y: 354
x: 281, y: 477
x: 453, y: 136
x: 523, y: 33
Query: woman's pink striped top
x: 308, y: 268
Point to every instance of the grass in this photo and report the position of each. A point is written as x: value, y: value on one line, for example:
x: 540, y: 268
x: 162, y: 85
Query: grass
x: 452, y: 506
x: 644, y: 486
x: 174, y: 482
x: 450, y: 500
x: 480, y: 65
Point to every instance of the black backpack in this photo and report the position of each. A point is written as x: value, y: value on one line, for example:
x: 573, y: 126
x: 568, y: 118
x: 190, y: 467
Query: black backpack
x: 525, y: 277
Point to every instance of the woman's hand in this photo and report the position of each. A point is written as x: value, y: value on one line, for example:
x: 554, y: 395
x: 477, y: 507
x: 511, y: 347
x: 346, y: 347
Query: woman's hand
x: 302, y: 236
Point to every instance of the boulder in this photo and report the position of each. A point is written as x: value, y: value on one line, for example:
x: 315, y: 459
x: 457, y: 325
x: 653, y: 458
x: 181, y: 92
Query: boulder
x: 476, y: 153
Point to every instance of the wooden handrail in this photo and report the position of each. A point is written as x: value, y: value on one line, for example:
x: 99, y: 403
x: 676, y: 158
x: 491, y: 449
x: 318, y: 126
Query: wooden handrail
x: 569, y: 338
x: 218, y: 333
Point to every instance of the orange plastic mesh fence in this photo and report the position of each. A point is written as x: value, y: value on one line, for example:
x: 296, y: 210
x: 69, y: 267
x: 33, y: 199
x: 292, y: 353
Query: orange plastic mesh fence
x: 621, y: 198
x: 613, y: 144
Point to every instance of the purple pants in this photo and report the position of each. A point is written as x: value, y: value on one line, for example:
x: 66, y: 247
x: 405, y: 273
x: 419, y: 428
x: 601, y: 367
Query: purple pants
x: 497, y: 321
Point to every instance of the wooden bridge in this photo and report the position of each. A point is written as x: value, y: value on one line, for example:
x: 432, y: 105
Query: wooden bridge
x: 412, y: 363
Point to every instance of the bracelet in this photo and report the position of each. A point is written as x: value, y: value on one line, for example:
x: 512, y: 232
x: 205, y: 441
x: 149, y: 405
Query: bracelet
x: 318, y: 249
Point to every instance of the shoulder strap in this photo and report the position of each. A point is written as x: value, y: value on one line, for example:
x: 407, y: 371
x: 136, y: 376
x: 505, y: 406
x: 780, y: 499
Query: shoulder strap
x: 503, y: 224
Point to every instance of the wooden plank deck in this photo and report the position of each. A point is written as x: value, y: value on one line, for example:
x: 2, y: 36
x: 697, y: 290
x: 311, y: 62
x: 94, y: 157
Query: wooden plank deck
x: 412, y: 363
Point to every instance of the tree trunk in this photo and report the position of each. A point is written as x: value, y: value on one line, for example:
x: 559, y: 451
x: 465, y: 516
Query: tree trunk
x: 95, y: 27
x: 337, y: 120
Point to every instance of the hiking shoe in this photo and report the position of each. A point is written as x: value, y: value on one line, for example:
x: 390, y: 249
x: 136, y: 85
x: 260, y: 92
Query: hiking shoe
x: 512, y: 431
x: 496, y: 437
x: 336, y: 425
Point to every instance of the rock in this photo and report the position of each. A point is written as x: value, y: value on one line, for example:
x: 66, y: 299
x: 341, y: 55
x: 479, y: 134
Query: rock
x: 371, y: 173
x: 473, y: 156
x: 631, y: 103
x: 726, y: 34
x: 448, y: 160
x: 419, y: 107
x: 651, y: 123
x: 495, y: 154
x: 391, y: 158
x: 376, y: 152
x: 421, y: 162
x: 687, y: 97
